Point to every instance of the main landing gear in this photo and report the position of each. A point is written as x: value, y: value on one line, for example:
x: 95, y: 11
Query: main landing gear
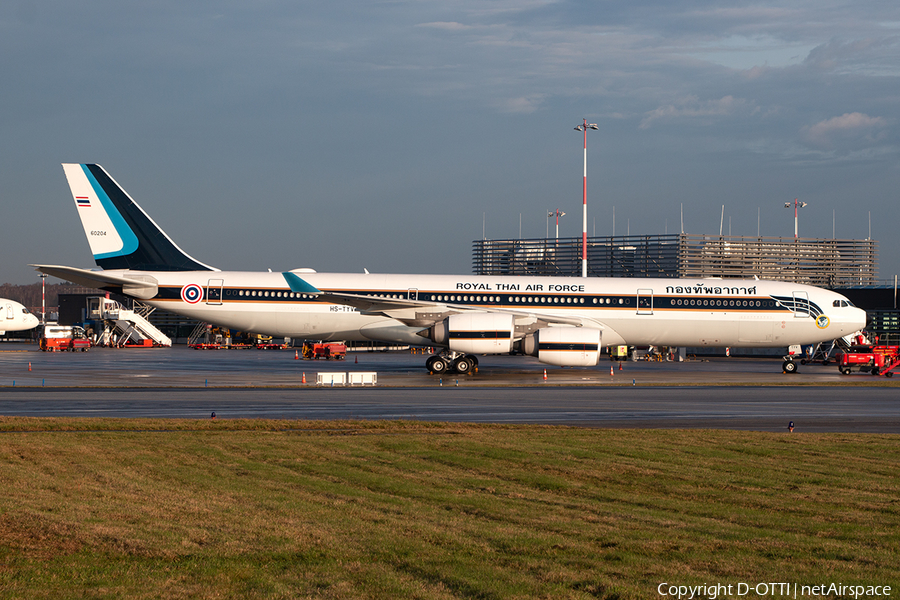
x: 451, y: 362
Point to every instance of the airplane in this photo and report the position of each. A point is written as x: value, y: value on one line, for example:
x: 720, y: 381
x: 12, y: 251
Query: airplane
x: 563, y: 321
x: 15, y: 317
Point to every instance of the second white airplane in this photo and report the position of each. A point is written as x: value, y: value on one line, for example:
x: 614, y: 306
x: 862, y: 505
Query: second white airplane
x: 563, y: 321
x: 15, y: 317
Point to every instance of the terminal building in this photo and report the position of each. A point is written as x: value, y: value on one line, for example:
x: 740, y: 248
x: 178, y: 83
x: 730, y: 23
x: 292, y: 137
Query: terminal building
x: 828, y: 263
x: 846, y: 266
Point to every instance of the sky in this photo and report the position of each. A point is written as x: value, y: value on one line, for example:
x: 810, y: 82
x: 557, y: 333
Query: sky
x: 389, y: 136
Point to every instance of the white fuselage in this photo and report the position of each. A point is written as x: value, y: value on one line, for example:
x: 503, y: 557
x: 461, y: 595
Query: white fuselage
x: 15, y: 317
x: 640, y: 312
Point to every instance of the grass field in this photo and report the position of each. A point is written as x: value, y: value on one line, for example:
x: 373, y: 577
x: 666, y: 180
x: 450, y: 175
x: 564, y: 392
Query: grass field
x: 292, y: 509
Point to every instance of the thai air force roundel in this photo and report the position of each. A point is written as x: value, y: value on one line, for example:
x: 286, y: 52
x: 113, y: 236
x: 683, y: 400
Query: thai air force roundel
x: 192, y: 293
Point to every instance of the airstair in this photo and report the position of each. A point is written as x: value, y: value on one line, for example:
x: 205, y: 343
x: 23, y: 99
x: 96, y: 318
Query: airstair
x: 823, y: 350
x: 131, y: 327
x: 199, y: 331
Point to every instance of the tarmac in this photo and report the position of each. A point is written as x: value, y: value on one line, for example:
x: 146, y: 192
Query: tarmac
x: 24, y: 365
x: 178, y: 382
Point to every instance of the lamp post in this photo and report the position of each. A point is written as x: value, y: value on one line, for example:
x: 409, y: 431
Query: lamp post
x: 558, y: 213
x: 43, y: 277
x: 796, y: 204
x: 584, y: 127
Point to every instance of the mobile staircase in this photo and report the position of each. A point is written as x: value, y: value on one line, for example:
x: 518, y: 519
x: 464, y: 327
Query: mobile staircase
x: 825, y: 352
x: 135, y: 329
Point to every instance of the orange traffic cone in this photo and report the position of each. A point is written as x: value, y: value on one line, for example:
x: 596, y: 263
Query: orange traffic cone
x: 296, y: 355
x: 611, y: 372
x: 545, y: 374
x: 620, y: 366
x: 29, y: 366
x: 303, y: 379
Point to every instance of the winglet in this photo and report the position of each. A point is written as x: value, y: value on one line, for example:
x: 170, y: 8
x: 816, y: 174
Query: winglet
x: 298, y: 285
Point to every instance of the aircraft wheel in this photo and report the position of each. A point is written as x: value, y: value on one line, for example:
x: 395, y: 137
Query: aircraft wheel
x: 438, y: 365
x: 472, y: 359
x: 462, y: 365
x: 789, y: 366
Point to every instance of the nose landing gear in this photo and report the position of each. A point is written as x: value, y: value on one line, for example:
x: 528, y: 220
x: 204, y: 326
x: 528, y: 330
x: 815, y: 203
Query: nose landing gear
x: 789, y: 366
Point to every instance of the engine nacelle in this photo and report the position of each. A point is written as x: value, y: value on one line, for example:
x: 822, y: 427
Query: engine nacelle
x: 564, y: 346
x: 474, y: 333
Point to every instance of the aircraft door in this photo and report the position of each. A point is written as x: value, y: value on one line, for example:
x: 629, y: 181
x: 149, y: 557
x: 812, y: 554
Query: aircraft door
x: 801, y: 305
x: 10, y: 314
x: 412, y: 294
x: 645, y: 302
x: 214, y: 291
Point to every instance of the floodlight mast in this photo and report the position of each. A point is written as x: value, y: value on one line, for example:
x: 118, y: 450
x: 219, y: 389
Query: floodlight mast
x: 796, y: 204
x: 584, y: 127
x: 558, y: 214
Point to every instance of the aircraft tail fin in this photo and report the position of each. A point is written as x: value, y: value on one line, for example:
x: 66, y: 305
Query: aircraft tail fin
x: 120, y: 233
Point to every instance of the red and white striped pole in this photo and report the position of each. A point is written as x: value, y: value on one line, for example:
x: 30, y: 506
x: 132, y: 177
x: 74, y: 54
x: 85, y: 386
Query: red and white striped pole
x: 797, y: 204
x: 584, y: 127
x: 43, y: 277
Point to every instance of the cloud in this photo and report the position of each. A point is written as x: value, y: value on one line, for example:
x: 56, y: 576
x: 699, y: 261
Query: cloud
x: 522, y: 104
x: 871, y: 55
x: 445, y: 25
x: 693, y: 108
x: 849, y: 126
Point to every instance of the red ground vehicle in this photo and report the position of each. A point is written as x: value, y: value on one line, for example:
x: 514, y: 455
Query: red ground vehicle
x: 328, y: 351
x: 870, y: 359
x: 59, y: 338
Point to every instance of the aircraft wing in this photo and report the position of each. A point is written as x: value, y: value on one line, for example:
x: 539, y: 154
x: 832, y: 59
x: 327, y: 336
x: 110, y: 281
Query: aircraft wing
x: 423, y: 313
x: 140, y: 286
x: 394, y: 307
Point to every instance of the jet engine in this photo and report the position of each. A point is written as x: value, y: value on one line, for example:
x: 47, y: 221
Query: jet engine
x: 474, y: 333
x: 564, y: 346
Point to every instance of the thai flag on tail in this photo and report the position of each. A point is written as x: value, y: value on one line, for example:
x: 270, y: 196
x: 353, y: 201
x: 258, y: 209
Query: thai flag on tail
x: 83, y: 201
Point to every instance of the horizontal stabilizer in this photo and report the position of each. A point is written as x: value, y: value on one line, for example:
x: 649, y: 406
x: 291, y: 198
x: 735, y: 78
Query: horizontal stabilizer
x: 145, y: 288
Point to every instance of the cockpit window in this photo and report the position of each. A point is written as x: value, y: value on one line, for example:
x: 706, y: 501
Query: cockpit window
x: 842, y: 303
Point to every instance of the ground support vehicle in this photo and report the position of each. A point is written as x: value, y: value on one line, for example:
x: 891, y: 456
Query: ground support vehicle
x: 877, y: 360
x: 60, y: 338
x: 326, y: 350
x: 270, y: 346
